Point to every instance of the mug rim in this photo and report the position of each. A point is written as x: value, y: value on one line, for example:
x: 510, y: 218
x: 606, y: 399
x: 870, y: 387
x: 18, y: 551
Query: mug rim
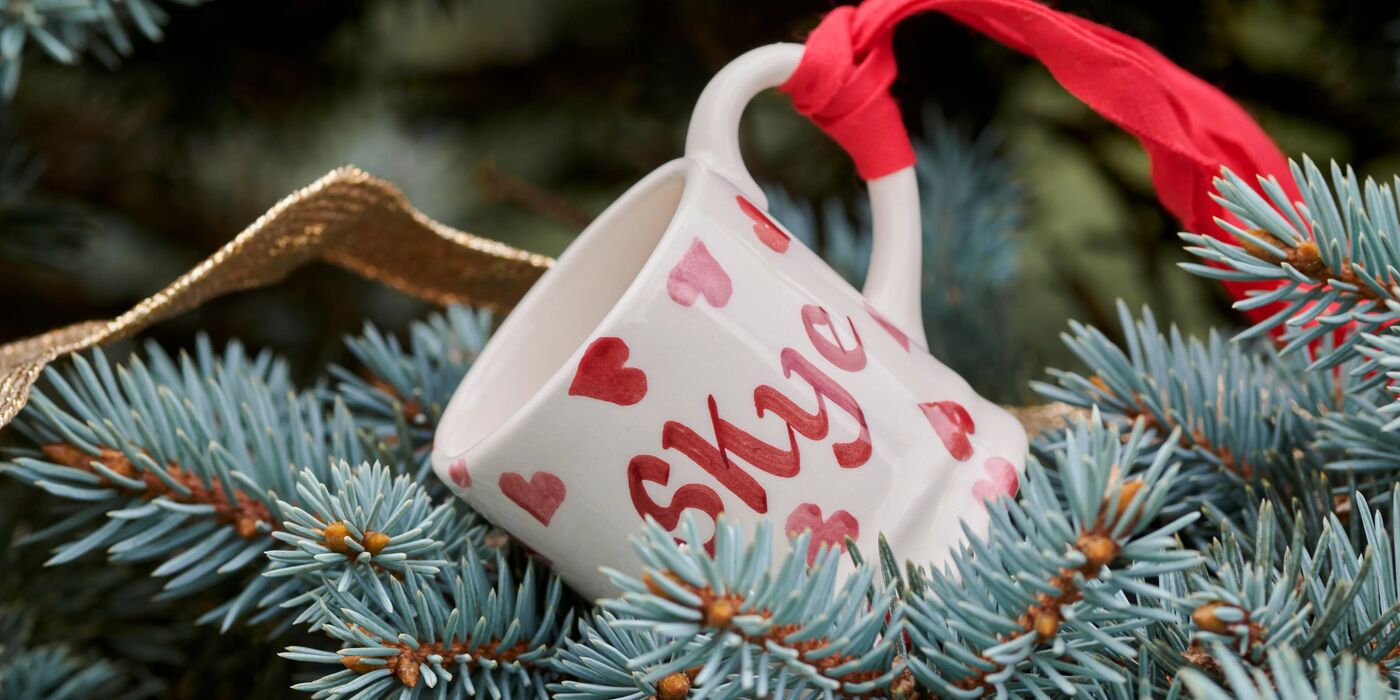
x: 691, y: 173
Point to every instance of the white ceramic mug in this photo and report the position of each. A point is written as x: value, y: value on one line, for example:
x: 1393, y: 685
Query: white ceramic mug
x: 686, y: 354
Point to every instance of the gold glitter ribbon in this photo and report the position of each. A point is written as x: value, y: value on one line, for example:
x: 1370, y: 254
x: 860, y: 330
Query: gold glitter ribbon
x: 361, y: 223
x: 348, y: 218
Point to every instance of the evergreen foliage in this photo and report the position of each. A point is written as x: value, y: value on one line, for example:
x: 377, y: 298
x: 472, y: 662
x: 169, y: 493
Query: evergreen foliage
x: 1061, y: 581
x: 1292, y: 465
x: 374, y: 525
x: 1286, y: 677
x: 181, y: 460
x: 1333, y: 255
x: 401, y: 394
x: 54, y: 673
x: 1215, y: 524
x: 724, y: 620
x: 1248, y: 419
x: 475, y: 631
x: 66, y: 29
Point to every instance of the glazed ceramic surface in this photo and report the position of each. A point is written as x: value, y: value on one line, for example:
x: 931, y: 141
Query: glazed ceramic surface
x: 687, y: 356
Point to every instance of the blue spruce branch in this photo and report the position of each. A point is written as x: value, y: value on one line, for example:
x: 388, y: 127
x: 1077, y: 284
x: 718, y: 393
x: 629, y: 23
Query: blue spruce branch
x: 1368, y: 624
x: 65, y: 29
x: 1047, y: 600
x: 1081, y: 586
x: 1247, y: 417
x: 367, y: 525
x: 1251, y: 604
x: 402, y: 392
x: 54, y: 673
x: 597, y: 664
x: 1267, y: 591
x: 723, y: 625
x: 198, y: 461
x: 180, y: 461
x: 1333, y: 256
x: 1286, y: 676
x: 470, y: 630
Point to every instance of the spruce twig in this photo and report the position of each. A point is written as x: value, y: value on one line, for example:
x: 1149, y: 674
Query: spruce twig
x: 740, y: 631
x: 1037, y: 604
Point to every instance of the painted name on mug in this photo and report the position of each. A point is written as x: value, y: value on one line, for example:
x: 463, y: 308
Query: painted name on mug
x: 713, y: 454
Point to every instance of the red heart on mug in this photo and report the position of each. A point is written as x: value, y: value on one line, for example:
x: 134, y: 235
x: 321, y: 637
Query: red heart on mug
x: 459, y: 475
x: 602, y: 375
x: 763, y: 227
x: 832, y: 531
x: 1001, y: 478
x: 699, y: 274
x: 540, y: 496
x: 953, y: 424
x: 899, y: 336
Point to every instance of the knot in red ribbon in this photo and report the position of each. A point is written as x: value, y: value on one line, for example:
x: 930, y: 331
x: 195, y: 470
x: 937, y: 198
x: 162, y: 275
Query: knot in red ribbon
x: 842, y: 85
x: 1188, y: 127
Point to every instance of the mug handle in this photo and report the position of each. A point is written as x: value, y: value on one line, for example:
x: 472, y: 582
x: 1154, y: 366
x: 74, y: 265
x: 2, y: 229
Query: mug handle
x: 893, y: 281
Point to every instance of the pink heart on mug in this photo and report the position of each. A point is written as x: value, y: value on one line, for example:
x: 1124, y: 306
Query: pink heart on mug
x: 540, y: 496
x: 832, y: 531
x: 763, y: 227
x: 953, y: 424
x: 602, y: 374
x: 1001, y: 479
x: 459, y: 474
x: 699, y: 274
x: 899, y: 336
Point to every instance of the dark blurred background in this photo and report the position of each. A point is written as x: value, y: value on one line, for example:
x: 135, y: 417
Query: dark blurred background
x: 520, y: 120
x: 131, y: 174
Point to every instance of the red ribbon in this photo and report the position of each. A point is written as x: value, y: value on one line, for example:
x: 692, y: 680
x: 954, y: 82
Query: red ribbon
x: 1188, y: 127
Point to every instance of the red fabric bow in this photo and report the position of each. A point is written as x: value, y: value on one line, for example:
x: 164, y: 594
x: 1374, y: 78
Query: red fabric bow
x: 1188, y: 127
